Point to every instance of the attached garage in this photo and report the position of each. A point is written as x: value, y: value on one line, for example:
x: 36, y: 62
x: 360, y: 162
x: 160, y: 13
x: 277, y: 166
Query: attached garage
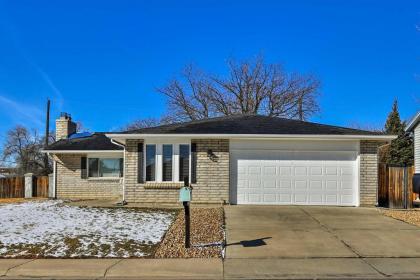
x: 294, y: 172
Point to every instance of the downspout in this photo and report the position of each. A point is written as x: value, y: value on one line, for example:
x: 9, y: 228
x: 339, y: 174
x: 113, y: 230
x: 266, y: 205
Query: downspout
x: 55, y: 178
x: 123, y: 202
x: 54, y: 181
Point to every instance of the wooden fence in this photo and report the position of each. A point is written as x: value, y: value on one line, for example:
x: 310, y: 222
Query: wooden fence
x: 395, y: 188
x: 12, y: 187
x: 40, y: 186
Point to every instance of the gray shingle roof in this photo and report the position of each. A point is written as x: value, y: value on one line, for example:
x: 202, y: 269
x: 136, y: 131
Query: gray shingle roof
x: 97, y: 141
x: 239, y: 124
x: 250, y: 124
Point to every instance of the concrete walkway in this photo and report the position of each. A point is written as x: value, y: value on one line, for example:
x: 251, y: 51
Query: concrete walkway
x: 111, y: 269
x: 318, y: 242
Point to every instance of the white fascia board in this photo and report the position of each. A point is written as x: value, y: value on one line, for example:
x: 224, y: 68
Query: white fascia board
x: 255, y: 136
x: 80, y: 151
x: 413, y: 123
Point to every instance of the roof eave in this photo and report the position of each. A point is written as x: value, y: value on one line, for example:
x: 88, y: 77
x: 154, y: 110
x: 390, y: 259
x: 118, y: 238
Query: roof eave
x: 80, y: 151
x: 256, y: 136
x: 413, y: 123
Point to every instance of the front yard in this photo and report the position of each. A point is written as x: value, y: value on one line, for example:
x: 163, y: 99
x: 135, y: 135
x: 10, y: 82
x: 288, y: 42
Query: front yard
x: 52, y: 229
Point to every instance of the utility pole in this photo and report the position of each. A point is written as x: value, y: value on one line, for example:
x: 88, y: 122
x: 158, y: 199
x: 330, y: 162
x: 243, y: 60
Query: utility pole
x: 47, y: 133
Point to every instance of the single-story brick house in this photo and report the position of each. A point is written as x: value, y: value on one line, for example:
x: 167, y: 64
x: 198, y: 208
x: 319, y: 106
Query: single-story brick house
x: 243, y: 159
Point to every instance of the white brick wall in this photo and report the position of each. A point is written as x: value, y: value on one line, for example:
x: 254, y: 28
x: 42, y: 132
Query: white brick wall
x: 212, y: 176
x: 70, y: 185
x: 369, y: 172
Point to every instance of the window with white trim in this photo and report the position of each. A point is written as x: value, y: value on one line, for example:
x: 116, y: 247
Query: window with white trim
x: 105, y: 167
x: 184, y: 162
x: 166, y: 162
x: 150, y: 162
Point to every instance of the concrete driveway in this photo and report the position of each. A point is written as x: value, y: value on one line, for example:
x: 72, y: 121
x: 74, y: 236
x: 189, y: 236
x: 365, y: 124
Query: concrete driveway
x: 283, y: 241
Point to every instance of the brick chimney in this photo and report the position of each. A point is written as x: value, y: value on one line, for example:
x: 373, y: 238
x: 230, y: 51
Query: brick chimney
x: 64, y: 126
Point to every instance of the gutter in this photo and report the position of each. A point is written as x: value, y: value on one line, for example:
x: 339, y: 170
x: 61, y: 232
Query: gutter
x: 54, y: 175
x: 413, y: 122
x: 123, y: 202
x: 81, y: 151
x: 254, y: 136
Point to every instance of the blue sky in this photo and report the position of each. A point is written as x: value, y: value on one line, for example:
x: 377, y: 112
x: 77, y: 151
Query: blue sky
x: 102, y: 61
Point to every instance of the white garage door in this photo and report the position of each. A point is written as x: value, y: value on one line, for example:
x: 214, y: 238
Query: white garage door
x: 300, y: 173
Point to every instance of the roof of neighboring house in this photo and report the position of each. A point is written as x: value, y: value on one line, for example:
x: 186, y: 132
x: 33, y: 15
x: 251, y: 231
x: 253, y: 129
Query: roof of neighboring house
x: 95, y: 142
x: 413, y: 123
x: 250, y: 124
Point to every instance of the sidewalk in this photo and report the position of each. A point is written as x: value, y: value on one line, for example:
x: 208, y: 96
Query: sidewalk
x: 311, y: 268
x: 111, y: 269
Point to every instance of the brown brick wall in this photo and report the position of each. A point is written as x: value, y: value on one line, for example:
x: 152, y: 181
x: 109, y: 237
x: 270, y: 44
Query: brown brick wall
x: 212, y: 176
x: 70, y: 185
x: 369, y: 171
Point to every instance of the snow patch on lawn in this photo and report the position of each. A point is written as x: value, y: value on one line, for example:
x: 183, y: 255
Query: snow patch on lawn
x: 52, y: 229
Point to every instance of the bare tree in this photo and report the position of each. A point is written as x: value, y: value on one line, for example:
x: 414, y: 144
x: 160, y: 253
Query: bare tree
x: 142, y: 123
x: 250, y: 87
x: 24, y: 149
x: 366, y: 126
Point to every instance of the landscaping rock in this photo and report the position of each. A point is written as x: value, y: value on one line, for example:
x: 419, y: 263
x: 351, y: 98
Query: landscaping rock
x: 408, y: 216
x: 207, y: 235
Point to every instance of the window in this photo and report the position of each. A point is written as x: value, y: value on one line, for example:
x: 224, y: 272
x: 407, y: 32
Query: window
x: 150, y: 162
x: 184, y: 161
x: 167, y: 163
x: 93, y: 167
x: 105, y: 167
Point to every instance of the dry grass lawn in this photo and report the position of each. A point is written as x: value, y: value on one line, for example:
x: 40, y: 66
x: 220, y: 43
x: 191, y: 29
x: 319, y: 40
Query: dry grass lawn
x: 19, y: 200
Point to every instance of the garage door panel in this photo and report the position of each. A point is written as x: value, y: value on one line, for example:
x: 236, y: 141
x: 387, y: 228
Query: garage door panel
x: 347, y: 171
x: 254, y: 170
x: 254, y: 197
x: 300, y: 171
x: 301, y: 185
x: 285, y: 171
x: 331, y: 199
x: 331, y: 170
x: 285, y: 199
x: 347, y: 185
x: 286, y: 184
x: 347, y: 199
x: 305, y: 178
x: 316, y: 170
x: 316, y: 199
x: 315, y: 185
x: 270, y: 170
x: 269, y: 184
x: 270, y: 198
x: 254, y: 184
x: 301, y: 198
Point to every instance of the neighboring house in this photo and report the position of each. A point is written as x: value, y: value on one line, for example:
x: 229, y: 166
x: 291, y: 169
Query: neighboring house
x: 7, y: 172
x: 244, y: 159
x: 414, y: 127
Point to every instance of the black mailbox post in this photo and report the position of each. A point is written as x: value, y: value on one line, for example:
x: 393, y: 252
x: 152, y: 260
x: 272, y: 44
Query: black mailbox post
x: 185, y: 198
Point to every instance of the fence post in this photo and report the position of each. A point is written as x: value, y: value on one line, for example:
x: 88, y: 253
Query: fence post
x: 28, y: 185
x: 406, y: 190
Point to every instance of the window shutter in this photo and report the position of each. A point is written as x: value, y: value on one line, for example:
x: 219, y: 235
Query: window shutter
x: 140, y: 157
x: 83, y: 167
x: 121, y: 167
x: 193, y: 163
